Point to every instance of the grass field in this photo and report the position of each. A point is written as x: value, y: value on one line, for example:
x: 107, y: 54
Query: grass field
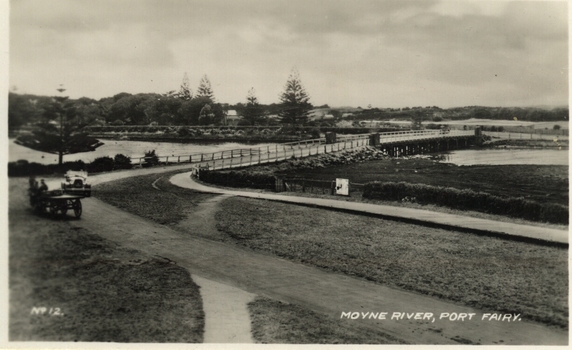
x: 542, y: 183
x: 94, y: 290
x: 275, y: 322
x: 483, y: 272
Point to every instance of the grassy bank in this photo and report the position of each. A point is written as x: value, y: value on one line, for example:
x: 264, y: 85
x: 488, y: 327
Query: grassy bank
x: 541, y: 183
x: 94, y: 290
x: 151, y: 196
x: 275, y: 322
x: 493, y: 274
x: 488, y: 273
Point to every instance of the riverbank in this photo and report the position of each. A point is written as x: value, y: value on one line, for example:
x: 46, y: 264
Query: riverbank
x: 197, y: 139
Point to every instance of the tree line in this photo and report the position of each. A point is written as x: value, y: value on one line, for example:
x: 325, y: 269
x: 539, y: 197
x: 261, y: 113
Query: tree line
x: 177, y: 107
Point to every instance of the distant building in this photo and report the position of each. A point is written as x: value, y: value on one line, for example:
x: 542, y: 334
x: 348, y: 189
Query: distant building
x: 231, y: 117
x: 319, y: 115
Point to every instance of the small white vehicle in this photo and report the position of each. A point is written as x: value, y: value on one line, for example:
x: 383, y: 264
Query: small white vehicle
x: 76, y: 183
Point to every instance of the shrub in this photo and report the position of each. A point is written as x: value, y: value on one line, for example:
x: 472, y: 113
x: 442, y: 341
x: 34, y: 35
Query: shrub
x: 122, y: 162
x: 151, y: 159
x: 315, y: 132
x: 116, y: 122
x: 468, y: 200
x: 183, y: 131
x: 238, y: 178
x: 24, y: 168
x: 100, y: 164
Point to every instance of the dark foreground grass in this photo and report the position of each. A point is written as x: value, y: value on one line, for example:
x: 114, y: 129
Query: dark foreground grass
x: 92, y: 289
x: 488, y: 273
x: 275, y: 322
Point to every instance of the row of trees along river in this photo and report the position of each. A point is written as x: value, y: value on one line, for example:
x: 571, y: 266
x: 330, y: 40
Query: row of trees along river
x: 56, y: 124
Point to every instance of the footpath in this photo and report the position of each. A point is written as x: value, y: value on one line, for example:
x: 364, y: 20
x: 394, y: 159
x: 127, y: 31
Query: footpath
x: 410, y: 214
x: 328, y: 293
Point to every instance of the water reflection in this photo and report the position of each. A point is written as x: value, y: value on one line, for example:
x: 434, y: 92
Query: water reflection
x: 129, y: 148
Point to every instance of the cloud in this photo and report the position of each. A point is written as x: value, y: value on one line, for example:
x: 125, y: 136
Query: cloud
x: 348, y: 52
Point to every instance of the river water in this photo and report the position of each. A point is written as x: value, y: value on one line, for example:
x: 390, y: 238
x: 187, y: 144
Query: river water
x: 506, y: 157
x: 134, y: 149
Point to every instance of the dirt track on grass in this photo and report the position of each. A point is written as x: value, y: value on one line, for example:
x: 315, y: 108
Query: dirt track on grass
x: 317, y: 290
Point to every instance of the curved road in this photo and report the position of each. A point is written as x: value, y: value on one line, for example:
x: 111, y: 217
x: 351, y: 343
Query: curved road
x: 312, y: 288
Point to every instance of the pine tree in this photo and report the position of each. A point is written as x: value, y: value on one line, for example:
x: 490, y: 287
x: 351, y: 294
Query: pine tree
x: 60, y: 131
x: 205, y: 90
x: 253, y: 112
x: 185, y: 91
x: 295, y: 103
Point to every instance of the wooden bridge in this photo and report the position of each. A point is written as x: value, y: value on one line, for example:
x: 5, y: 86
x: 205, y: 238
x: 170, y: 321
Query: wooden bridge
x: 423, y: 141
x: 398, y: 143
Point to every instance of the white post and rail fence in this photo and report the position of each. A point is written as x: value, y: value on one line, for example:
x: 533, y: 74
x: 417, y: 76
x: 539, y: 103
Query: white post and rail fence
x: 268, y: 154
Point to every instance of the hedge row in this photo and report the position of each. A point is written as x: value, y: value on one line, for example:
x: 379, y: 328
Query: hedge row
x: 238, y: 178
x: 101, y: 164
x: 468, y: 200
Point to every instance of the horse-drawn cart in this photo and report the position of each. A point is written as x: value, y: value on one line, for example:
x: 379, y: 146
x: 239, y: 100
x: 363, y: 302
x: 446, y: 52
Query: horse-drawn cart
x: 56, y: 203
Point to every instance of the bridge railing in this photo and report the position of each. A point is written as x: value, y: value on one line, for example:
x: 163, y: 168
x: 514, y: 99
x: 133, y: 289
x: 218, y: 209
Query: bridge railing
x: 525, y: 136
x: 299, y: 149
x: 264, y: 154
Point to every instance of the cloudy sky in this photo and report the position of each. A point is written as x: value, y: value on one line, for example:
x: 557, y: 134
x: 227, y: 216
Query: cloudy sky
x: 348, y: 52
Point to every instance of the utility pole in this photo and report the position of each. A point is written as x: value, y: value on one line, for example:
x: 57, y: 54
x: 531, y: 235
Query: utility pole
x: 60, y: 153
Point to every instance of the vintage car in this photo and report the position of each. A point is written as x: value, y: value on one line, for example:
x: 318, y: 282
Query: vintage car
x: 76, y: 183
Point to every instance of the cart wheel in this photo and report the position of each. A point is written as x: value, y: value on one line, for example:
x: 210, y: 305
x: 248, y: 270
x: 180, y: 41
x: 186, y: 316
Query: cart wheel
x: 53, y: 210
x: 77, y: 209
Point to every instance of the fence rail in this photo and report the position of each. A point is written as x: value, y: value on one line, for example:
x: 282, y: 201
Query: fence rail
x: 316, y: 186
x: 525, y: 136
x: 299, y: 149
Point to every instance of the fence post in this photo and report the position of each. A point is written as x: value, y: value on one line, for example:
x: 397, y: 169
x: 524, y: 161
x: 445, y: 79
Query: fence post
x: 259, y: 155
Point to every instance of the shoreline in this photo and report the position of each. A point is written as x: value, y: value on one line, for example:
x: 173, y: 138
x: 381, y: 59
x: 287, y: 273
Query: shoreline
x: 149, y: 138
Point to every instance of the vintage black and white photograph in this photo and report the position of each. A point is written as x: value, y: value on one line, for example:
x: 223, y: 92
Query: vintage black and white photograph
x: 321, y: 172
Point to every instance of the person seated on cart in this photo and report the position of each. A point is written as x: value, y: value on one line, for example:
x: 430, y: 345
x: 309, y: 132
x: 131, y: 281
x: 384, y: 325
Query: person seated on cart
x: 33, y: 189
x: 33, y: 182
x: 43, y: 187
